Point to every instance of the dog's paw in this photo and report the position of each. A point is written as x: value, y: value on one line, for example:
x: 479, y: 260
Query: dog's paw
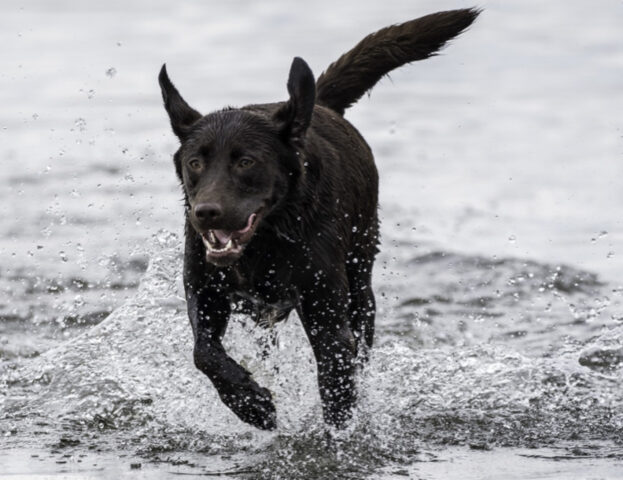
x: 252, y: 404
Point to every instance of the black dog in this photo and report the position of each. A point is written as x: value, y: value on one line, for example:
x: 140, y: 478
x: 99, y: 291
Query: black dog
x: 281, y: 214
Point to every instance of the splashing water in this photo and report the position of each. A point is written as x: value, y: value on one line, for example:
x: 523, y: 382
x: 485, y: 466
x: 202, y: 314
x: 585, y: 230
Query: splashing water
x: 129, y: 382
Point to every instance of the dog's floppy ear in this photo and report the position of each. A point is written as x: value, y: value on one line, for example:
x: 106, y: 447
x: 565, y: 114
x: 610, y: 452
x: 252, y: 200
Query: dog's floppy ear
x: 181, y: 114
x: 294, y: 117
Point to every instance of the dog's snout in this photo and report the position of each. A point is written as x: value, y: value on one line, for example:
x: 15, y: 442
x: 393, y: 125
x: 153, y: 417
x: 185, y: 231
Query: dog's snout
x: 208, y: 212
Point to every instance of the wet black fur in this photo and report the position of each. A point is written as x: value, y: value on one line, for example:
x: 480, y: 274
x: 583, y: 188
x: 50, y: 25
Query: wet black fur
x: 313, y: 178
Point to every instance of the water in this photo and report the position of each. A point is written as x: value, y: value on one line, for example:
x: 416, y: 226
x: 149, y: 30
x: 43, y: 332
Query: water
x: 499, y: 351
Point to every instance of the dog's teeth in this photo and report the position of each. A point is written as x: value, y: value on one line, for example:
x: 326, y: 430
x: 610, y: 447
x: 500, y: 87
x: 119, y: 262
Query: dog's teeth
x: 212, y: 237
x: 208, y: 242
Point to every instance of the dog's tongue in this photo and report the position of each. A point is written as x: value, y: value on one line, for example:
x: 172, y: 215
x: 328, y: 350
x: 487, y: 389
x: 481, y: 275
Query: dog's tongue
x: 223, y: 236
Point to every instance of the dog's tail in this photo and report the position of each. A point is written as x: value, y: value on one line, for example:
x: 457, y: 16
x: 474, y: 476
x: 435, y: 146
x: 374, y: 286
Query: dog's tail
x: 358, y: 70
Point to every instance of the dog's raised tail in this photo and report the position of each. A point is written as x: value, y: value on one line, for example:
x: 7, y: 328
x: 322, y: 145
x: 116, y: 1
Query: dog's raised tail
x: 358, y: 70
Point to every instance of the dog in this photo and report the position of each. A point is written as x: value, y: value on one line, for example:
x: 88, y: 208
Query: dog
x: 281, y: 214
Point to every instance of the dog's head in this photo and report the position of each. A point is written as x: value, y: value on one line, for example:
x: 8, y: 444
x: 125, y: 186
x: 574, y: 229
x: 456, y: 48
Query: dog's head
x: 237, y: 165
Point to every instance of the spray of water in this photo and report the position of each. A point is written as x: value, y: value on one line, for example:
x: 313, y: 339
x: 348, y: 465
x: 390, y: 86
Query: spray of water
x: 129, y: 382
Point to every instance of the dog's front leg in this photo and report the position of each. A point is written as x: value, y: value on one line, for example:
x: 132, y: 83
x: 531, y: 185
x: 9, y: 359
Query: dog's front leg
x: 324, y: 317
x: 209, y: 312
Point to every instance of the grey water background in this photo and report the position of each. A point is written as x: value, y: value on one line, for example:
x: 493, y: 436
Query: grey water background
x: 500, y: 339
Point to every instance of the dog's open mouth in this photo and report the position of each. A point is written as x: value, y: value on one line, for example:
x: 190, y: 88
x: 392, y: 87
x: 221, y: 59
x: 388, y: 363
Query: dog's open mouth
x: 226, y: 243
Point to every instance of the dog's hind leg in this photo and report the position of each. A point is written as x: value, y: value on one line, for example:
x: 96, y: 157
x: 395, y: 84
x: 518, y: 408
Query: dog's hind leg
x: 362, y: 306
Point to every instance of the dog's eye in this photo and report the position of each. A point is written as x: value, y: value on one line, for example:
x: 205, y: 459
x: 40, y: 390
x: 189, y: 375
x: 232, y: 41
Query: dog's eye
x: 246, y: 162
x: 194, y: 164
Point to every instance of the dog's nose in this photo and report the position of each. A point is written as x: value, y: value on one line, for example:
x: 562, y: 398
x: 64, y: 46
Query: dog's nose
x: 208, y: 211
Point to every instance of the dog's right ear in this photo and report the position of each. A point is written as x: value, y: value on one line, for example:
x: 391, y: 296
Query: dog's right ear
x: 181, y: 114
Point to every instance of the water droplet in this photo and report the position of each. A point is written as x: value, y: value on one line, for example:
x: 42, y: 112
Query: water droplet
x: 610, y: 254
x: 599, y: 236
x: 512, y: 239
x: 111, y: 72
x: 80, y: 124
x: 35, y: 116
x: 90, y: 94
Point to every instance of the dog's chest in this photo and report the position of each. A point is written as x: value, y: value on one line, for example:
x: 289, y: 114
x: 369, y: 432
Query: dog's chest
x: 268, y: 295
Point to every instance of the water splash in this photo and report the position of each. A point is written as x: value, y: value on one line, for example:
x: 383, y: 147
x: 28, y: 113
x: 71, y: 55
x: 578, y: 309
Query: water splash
x: 129, y: 382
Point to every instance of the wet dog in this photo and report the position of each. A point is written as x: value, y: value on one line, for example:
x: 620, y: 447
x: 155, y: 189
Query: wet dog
x: 281, y: 215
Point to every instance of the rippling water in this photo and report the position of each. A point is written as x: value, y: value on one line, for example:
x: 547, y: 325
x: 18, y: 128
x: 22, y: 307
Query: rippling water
x: 500, y: 325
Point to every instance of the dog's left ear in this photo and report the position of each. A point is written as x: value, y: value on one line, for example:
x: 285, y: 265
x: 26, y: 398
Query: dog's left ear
x: 295, y: 116
x: 181, y: 114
